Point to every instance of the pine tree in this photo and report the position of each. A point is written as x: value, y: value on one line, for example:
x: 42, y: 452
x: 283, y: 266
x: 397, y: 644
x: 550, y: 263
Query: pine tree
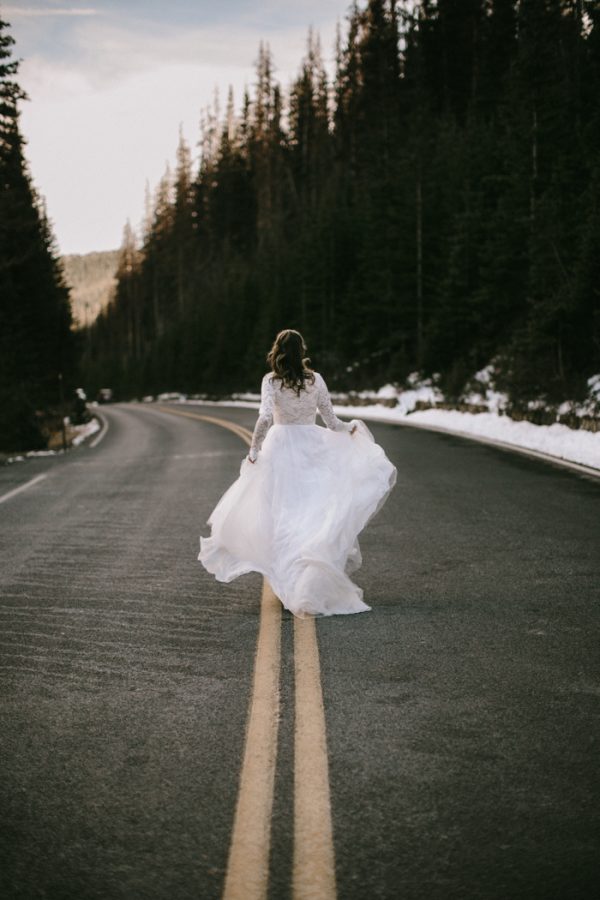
x: 436, y: 207
x: 36, y: 341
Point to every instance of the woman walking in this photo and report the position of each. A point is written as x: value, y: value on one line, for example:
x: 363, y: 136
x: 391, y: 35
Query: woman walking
x: 303, y: 495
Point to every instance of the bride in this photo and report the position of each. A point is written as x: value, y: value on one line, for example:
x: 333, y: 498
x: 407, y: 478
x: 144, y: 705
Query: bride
x: 303, y: 495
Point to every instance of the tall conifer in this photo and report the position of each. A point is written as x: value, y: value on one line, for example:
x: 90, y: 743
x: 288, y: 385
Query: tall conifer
x: 36, y: 341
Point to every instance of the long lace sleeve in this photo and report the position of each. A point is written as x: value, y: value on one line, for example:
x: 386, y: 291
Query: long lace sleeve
x: 265, y: 417
x: 326, y: 409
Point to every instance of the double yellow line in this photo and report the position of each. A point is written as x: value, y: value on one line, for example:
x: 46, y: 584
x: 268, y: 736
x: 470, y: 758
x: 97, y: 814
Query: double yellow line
x: 313, y: 865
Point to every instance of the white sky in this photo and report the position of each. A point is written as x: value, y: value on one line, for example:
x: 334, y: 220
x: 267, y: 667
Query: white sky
x: 110, y: 83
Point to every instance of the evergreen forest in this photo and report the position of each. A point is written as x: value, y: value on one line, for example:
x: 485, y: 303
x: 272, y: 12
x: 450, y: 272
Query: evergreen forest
x: 38, y: 348
x: 433, y: 208
x: 431, y: 205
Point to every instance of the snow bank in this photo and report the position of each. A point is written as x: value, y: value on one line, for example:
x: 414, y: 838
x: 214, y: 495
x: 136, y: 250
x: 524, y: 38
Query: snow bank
x: 76, y: 434
x: 419, y: 390
x: 575, y: 445
x: 557, y: 440
x: 481, y: 391
x: 488, y: 421
x: 84, y: 431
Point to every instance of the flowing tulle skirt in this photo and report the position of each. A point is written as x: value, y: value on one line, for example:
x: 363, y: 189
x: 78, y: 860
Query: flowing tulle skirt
x: 295, y: 514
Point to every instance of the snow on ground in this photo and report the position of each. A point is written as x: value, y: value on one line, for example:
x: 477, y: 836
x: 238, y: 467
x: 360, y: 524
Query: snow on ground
x: 31, y: 454
x: 481, y: 391
x: 77, y: 434
x: 84, y: 431
x: 575, y: 445
x: 424, y: 391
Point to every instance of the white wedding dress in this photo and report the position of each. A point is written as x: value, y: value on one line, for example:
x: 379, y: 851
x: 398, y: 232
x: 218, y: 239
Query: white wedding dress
x: 295, y: 513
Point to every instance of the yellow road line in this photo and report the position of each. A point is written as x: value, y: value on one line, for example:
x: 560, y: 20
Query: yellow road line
x: 248, y: 865
x: 247, y: 875
x: 313, y: 875
x: 242, y: 432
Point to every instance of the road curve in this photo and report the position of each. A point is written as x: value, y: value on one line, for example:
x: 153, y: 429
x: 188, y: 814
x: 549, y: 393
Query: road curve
x: 461, y: 714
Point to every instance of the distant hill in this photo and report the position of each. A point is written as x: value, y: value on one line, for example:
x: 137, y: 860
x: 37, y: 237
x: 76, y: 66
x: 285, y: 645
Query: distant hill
x: 92, y: 279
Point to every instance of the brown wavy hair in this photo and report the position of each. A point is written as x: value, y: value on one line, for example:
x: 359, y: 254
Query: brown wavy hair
x: 288, y: 362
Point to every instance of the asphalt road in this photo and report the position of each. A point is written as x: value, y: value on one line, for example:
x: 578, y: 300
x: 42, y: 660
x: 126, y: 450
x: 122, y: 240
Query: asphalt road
x: 462, y: 712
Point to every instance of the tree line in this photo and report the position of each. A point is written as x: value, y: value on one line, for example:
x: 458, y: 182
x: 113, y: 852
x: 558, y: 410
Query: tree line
x: 38, y: 349
x: 432, y: 208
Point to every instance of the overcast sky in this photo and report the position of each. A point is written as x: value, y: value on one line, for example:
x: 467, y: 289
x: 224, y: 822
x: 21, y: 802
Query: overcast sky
x: 111, y: 81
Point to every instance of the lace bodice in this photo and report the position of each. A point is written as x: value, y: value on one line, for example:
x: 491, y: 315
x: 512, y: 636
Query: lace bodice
x: 283, y: 406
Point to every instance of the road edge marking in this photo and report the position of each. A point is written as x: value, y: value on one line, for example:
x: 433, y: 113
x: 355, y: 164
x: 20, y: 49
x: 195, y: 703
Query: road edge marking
x: 247, y: 876
x: 22, y: 487
x: 98, y: 438
x: 313, y: 868
x: 239, y: 430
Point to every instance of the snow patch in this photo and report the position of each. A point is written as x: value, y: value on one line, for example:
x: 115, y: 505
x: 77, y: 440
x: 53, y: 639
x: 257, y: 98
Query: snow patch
x: 85, y: 431
x: 575, y: 445
x: 388, y: 392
